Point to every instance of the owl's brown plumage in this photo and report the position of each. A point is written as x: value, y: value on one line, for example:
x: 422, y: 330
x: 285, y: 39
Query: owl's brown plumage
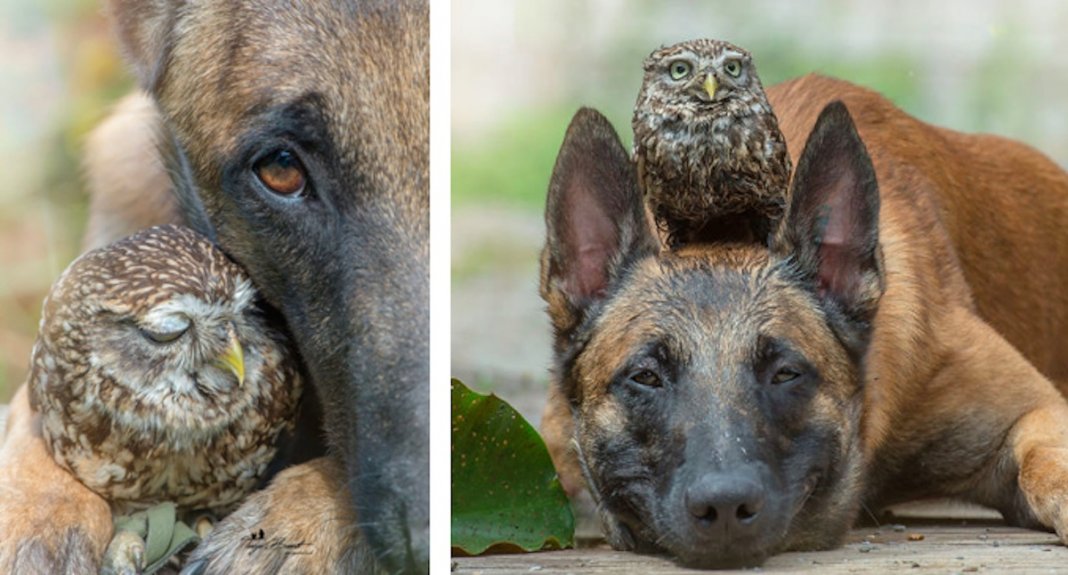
x: 707, y: 146
x: 157, y: 377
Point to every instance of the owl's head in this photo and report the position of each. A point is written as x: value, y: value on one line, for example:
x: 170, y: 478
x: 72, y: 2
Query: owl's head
x: 163, y: 330
x: 698, y: 75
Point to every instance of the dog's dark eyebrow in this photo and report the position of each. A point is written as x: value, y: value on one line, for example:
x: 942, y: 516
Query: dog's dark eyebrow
x: 770, y: 347
x: 658, y: 350
x: 301, y: 119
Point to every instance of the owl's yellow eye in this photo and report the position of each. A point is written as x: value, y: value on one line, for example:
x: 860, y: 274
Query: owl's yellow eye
x: 732, y: 67
x: 679, y: 69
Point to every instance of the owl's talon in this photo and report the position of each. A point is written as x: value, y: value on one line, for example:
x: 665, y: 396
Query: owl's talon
x: 139, y: 557
x: 203, y: 525
x: 125, y: 554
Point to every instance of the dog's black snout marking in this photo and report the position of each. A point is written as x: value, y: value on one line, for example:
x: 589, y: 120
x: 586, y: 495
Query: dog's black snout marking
x: 725, y: 505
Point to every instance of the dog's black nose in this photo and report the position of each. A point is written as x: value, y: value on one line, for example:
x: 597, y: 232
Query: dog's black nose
x: 725, y: 505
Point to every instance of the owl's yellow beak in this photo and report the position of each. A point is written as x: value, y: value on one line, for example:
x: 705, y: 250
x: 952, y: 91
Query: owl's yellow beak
x: 710, y: 86
x: 233, y: 359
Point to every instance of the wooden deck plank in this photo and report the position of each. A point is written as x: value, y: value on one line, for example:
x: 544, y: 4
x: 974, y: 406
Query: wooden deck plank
x: 945, y: 549
x: 968, y: 540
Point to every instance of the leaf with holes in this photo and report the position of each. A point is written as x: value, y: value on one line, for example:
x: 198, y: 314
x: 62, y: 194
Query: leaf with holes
x: 505, y: 492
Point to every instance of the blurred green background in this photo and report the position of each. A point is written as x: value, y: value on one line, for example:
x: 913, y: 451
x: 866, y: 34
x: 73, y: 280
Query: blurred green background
x: 521, y: 69
x: 59, y: 72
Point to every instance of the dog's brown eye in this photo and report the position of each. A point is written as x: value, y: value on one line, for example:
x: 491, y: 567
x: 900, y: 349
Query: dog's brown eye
x: 646, y: 378
x: 785, y: 375
x: 282, y: 173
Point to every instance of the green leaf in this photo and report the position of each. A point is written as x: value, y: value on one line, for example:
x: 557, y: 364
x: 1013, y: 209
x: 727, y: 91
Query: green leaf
x: 505, y: 492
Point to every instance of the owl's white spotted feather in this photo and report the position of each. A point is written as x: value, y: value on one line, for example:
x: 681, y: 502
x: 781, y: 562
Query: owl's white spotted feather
x: 157, y: 376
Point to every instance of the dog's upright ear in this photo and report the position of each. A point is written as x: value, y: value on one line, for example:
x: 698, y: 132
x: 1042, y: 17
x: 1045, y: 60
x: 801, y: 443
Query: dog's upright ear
x: 595, y: 221
x: 144, y: 28
x: 831, y: 226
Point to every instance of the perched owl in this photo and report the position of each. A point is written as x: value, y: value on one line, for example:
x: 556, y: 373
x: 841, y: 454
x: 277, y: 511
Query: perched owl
x: 157, y: 376
x: 707, y: 146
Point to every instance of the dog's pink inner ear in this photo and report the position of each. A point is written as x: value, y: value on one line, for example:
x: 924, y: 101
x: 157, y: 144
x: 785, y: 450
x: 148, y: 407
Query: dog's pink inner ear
x: 839, y: 230
x: 593, y: 239
x: 833, y: 219
x: 594, y: 214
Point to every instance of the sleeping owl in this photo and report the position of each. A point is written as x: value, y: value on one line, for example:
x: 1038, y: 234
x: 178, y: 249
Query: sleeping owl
x: 158, y: 377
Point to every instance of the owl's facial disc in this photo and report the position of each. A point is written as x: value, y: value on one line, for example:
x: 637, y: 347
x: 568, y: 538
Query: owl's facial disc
x: 198, y: 337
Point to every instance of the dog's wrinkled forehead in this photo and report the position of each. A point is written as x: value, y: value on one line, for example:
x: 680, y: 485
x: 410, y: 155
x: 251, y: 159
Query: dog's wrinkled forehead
x: 363, y: 63
x: 708, y: 304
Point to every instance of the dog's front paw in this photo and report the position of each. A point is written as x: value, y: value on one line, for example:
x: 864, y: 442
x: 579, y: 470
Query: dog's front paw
x: 71, y: 551
x: 1044, y: 482
x: 1039, y: 442
x: 49, y: 529
x: 49, y: 522
x: 301, y: 523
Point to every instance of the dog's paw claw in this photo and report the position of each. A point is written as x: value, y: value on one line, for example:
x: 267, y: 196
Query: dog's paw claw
x: 125, y: 554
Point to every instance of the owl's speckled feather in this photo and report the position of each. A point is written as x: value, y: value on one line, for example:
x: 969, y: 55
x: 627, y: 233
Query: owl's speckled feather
x: 140, y: 421
x: 706, y: 161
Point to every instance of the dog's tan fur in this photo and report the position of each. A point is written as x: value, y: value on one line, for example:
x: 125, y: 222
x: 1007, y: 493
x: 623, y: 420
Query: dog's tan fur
x: 129, y: 189
x: 967, y: 350
x: 295, y: 543
x: 995, y: 208
x: 973, y: 228
x: 70, y: 522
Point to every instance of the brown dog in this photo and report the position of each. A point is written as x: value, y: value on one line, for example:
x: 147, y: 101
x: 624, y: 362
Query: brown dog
x: 296, y: 136
x: 895, y: 339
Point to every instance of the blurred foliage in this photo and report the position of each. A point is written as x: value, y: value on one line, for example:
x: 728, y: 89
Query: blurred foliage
x: 512, y: 165
x: 68, y: 71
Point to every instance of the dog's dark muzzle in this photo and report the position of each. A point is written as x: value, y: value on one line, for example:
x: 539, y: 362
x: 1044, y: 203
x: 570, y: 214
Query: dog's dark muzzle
x: 389, y: 460
x: 364, y: 335
x: 727, y: 517
x: 388, y: 457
